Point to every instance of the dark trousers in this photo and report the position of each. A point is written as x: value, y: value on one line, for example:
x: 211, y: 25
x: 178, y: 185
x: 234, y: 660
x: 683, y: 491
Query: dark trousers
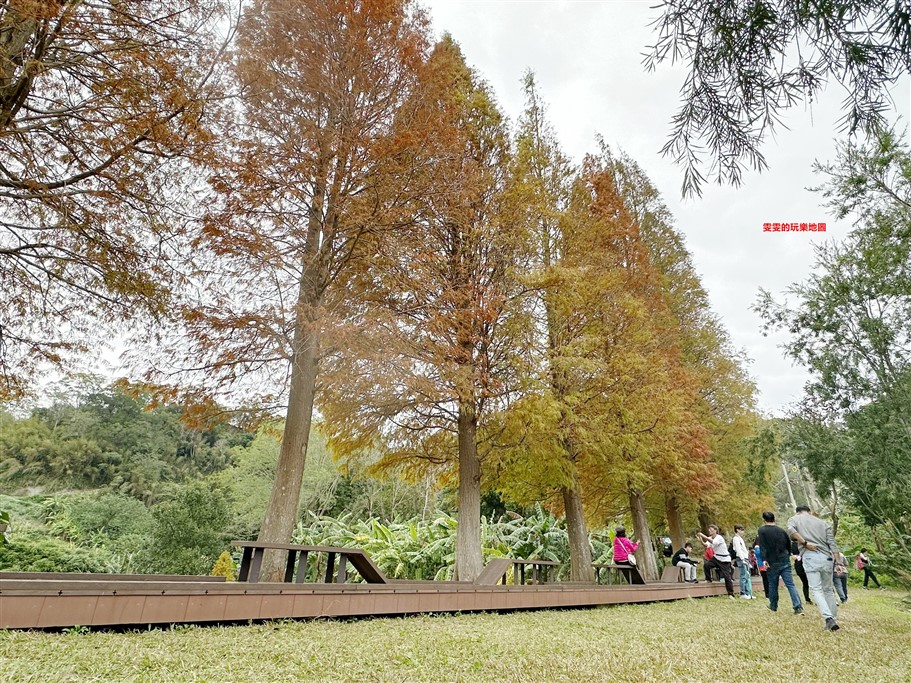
x: 724, y: 568
x: 802, y: 575
x: 765, y: 581
x: 868, y: 574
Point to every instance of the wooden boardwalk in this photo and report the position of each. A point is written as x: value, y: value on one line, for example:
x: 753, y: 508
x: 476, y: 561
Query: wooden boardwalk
x: 74, y: 600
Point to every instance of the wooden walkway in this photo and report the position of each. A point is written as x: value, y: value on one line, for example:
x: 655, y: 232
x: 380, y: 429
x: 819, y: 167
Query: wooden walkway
x: 78, y: 601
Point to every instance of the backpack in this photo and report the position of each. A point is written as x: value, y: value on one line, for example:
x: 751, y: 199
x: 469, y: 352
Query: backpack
x: 859, y: 564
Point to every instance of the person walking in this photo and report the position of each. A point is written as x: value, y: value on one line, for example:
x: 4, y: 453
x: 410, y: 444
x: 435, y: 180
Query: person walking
x: 864, y: 562
x: 841, y: 580
x: 775, y: 550
x: 801, y: 574
x: 818, y: 549
x: 682, y: 559
x: 721, y: 557
x: 742, y: 556
x: 761, y: 567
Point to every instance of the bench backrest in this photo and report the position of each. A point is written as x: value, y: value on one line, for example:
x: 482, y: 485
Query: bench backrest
x: 359, y: 559
x: 493, y: 572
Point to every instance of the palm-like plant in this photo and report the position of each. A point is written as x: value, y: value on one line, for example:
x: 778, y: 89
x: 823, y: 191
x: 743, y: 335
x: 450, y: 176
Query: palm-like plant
x: 419, y: 550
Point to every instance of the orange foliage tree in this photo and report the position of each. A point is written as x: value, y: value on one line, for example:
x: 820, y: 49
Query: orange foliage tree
x: 637, y: 405
x: 541, y: 436
x: 722, y: 397
x: 100, y: 103
x: 314, y: 169
x: 438, y: 350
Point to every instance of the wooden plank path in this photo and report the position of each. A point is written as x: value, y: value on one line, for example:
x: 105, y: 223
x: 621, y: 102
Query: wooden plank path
x: 58, y: 603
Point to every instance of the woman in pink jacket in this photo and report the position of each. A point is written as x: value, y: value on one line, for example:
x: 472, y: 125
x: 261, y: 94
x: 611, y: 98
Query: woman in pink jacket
x: 623, y: 547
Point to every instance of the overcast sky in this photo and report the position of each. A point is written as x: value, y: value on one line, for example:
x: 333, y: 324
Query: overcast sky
x: 587, y: 56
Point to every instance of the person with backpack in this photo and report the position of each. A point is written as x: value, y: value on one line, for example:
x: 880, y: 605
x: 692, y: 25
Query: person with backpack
x: 720, y: 559
x: 864, y: 562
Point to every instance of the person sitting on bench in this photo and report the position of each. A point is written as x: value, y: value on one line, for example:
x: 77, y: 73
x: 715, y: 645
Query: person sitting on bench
x: 623, y: 547
x: 682, y: 559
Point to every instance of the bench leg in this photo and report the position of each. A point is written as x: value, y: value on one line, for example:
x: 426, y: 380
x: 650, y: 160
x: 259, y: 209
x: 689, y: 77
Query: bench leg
x: 256, y: 564
x: 244, y: 572
x: 342, y: 569
x: 330, y: 567
x: 289, y: 565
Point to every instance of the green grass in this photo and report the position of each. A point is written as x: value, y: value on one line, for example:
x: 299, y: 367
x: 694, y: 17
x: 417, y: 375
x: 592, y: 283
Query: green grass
x: 660, y: 642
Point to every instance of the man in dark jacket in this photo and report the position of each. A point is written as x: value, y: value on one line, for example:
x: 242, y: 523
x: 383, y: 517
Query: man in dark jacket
x: 682, y: 559
x: 775, y: 547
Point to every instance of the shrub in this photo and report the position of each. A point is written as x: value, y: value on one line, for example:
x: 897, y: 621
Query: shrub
x: 189, y: 530
x: 93, y: 518
x: 4, y: 526
x: 224, y: 566
x: 32, y: 552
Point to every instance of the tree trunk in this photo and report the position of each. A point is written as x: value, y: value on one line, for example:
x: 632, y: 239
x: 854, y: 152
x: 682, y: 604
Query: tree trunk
x: 580, y: 550
x: 645, y: 555
x: 702, y: 515
x: 674, y: 522
x: 469, y: 560
x: 281, y: 513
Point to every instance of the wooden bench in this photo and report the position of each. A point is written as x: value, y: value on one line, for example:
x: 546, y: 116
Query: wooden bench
x: 497, y: 570
x: 672, y: 574
x: 253, y: 553
x: 627, y: 571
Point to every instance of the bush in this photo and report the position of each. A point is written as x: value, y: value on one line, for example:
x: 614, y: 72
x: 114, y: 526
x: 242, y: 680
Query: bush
x: 31, y: 552
x: 95, y: 518
x: 29, y: 510
x: 224, y: 566
x: 189, y: 530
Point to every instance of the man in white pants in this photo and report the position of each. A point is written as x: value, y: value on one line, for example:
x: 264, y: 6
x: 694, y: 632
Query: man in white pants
x: 818, y: 552
x: 682, y: 559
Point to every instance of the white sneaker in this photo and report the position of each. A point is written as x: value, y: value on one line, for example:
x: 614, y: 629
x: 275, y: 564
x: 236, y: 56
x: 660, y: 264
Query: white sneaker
x: 747, y: 597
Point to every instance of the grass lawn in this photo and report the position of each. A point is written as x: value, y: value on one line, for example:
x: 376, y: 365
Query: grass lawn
x: 659, y: 642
